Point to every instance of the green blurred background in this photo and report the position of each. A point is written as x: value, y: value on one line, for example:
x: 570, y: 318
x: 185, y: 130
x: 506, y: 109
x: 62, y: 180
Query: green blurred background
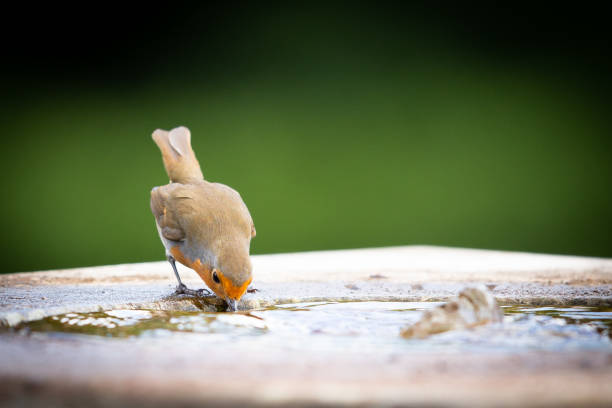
x: 342, y: 126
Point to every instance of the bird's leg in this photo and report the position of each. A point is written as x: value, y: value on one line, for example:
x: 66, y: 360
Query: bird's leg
x: 181, y: 288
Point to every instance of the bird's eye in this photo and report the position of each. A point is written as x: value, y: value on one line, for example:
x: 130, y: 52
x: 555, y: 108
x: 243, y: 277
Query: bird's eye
x: 216, y: 277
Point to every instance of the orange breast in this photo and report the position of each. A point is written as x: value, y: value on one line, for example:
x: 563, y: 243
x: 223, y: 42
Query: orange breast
x: 201, y: 269
x: 179, y: 256
x: 205, y: 272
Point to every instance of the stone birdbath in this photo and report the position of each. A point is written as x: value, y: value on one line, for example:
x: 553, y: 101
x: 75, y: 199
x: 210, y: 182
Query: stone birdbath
x: 323, y: 328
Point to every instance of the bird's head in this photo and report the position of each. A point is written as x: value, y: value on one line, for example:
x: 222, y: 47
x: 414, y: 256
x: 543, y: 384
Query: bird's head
x: 231, y: 276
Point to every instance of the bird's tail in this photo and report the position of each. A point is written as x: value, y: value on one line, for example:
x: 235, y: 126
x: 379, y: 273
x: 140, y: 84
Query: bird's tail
x: 179, y: 159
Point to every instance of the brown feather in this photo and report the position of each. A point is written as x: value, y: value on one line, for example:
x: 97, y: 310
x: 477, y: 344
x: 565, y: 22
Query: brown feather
x: 179, y: 159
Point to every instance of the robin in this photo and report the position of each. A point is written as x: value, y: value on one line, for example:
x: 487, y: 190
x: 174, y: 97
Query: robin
x: 205, y: 226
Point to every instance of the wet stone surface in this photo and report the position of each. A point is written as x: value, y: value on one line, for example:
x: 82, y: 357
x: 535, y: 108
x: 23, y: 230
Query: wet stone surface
x: 323, y: 329
x: 149, y: 351
x: 342, y: 326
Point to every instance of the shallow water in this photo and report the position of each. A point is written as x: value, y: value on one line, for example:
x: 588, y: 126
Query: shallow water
x: 345, y: 328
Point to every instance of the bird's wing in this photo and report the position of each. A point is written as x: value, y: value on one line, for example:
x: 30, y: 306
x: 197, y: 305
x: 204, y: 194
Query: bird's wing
x: 202, y: 213
x: 162, y: 206
x: 242, y: 208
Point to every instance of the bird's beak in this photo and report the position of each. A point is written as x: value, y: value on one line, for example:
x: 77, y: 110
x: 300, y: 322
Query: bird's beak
x: 232, y: 303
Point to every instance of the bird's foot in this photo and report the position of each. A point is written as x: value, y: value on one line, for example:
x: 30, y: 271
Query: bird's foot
x: 181, y: 289
x: 203, y: 292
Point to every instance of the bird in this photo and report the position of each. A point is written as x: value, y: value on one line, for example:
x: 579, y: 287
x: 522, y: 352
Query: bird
x: 205, y: 226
